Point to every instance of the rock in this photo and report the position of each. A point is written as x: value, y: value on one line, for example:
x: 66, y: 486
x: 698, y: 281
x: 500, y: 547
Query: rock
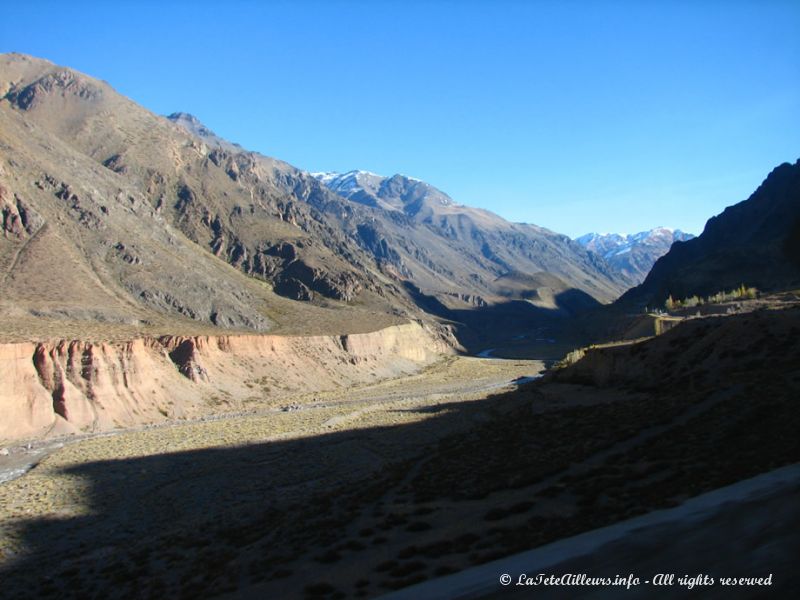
x: 186, y: 359
x: 19, y: 220
x: 116, y: 164
x: 337, y: 285
x: 290, y: 287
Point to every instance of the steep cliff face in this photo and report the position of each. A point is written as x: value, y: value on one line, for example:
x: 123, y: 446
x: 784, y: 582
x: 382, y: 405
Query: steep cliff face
x: 72, y: 386
x: 25, y: 404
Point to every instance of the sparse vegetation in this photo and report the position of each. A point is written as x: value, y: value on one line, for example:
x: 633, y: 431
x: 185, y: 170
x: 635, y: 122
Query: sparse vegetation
x: 743, y: 292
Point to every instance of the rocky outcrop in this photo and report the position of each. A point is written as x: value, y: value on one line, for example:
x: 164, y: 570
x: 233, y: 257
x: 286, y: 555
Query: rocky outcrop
x: 95, y: 386
x: 63, y: 82
x: 18, y: 220
x: 301, y: 281
x: 468, y: 299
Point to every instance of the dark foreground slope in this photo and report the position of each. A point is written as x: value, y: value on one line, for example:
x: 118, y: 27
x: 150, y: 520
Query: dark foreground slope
x: 755, y: 242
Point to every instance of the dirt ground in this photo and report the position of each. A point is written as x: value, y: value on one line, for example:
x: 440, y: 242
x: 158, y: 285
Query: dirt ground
x: 337, y: 431
x: 357, y: 494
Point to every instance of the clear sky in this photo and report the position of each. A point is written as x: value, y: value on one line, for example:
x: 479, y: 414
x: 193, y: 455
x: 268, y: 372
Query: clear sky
x: 578, y: 116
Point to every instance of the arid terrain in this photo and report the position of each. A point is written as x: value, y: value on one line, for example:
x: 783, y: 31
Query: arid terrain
x: 353, y: 494
x: 306, y: 447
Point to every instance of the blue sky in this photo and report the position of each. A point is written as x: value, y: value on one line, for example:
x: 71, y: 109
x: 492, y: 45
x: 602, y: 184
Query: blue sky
x: 578, y: 116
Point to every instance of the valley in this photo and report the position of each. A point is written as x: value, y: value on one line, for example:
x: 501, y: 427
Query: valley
x: 357, y: 492
x: 224, y: 376
x: 441, y: 381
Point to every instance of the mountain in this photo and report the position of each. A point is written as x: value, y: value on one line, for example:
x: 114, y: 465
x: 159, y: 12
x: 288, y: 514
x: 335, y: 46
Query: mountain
x: 114, y: 215
x: 118, y: 218
x: 396, y: 193
x: 456, y: 251
x: 633, y: 255
x: 755, y: 242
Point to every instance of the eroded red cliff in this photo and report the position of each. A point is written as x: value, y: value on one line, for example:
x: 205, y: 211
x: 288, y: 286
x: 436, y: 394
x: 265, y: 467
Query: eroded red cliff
x: 72, y: 386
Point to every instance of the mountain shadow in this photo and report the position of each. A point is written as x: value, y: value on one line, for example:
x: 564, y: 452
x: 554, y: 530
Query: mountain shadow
x: 479, y: 326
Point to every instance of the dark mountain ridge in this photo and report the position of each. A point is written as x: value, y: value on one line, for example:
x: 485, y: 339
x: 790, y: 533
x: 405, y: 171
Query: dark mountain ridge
x: 755, y: 242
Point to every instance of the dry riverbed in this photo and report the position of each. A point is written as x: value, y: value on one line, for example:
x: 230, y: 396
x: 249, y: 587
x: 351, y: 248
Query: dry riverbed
x: 51, y: 490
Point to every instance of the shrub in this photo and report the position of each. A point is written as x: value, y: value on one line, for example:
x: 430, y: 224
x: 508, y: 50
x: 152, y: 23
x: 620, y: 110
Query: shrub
x: 742, y: 292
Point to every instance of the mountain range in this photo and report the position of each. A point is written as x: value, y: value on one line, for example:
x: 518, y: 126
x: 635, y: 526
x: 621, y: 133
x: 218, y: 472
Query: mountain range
x: 112, y: 214
x: 505, y: 260
x: 633, y: 255
x: 120, y: 220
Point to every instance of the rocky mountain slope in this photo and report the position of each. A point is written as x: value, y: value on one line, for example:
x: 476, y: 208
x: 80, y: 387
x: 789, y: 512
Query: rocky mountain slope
x: 755, y: 242
x: 114, y: 215
x: 633, y: 255
x: 193, y: 125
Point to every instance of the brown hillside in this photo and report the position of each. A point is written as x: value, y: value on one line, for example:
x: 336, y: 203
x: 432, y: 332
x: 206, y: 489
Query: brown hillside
x: 114, y: 215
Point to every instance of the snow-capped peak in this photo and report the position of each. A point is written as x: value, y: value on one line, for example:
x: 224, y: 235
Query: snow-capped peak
x: 395, y: 193
x: 331, y: 175
x: 325, y: 176
x: 351, y: 183
x: 342, y: 182
x: 613, y: 243
x: 414, y: 179
x: 635, y: 253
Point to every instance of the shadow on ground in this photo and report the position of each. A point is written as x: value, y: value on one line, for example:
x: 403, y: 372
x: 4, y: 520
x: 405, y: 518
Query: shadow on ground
x: 360, y: 512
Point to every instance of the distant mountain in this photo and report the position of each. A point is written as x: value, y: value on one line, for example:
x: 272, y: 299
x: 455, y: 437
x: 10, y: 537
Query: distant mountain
x: 399, y: 192
x: 453, y: 252
x: 635, y: 254
x: 755, y: 242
